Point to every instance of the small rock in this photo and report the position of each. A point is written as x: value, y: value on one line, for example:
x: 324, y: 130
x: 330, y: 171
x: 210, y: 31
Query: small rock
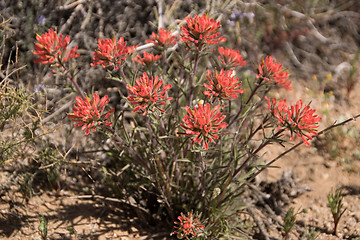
x: 330, y: 164
x: 356, y: 215
x: 325, y: 176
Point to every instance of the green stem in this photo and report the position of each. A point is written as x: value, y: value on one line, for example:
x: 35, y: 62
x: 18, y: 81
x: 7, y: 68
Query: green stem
x: 255, y: 152
x: 71, y: 78
x: 258, y: 84
x: 120, y: 142
x: 192, y: 78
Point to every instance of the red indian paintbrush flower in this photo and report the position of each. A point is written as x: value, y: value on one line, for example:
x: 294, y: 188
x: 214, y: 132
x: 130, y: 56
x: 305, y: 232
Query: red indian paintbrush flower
x: 147, y: 60
x: 200, y: 31
x: 111, y: 53
x: 300, y: 121
x: 230, y: 58
x: 222, y: 85
x: 272, y: 71
x: 203, y: 123
x: 148, y: 94
x: 89, y: 113
x: 163, y: 40
x: 187, y: 225
x: 52, y: 47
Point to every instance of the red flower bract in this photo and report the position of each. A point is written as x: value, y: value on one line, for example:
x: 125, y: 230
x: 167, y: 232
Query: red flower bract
x: 200, y: 31
x: 111, y: 53
x: 203, y: 123
x: 301, y: 121
x: 230, y: 58
x: 147, y: 60
x: 187, y: 225
x: 270, y: 70
x: 52, y: 47
x: 89, y: 113
x: 222, y: 85
x: 148, y: 94
x: 163, y: 40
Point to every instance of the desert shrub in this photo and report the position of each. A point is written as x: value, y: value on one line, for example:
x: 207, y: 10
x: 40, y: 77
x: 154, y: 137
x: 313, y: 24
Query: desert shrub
x: 192, y: 122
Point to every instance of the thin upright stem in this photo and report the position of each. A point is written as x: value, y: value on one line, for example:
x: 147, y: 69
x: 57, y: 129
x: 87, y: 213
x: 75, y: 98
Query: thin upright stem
x: 233, y: 174
x: 76, y: 86
x: 192, y: 78
x: 251, y: 156
x: 123, y: 74
x: 71, y: 78
x: 258, y: 84
x: 120, y: 142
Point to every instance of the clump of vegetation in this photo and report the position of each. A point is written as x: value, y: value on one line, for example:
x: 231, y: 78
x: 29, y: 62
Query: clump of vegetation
x: 335, y: 199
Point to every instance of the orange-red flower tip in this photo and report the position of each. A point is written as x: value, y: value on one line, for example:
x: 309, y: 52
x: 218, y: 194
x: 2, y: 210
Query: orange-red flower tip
x: 147, y: 58
x: 203, y: 123
x: 300, y: 120
x: 164, y: 39
x: 89, y: 113
x: 148, y: 94
x: 111, y: 52
x: 271, y: 70
x: 187, y: 225
x: 52, y: 48
x: 223, y: 85
x: 201, y: 31
x: 230, y: 58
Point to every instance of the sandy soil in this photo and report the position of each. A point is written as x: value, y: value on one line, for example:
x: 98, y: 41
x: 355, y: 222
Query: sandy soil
x: 319, y: 173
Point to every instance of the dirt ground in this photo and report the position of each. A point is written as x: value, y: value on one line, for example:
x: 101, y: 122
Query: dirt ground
x: 317, y: 174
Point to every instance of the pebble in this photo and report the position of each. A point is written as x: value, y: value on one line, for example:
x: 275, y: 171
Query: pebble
x: 330, y: 164
x: 325, y: 176
x: 351, y: 222
x: 356, y: 215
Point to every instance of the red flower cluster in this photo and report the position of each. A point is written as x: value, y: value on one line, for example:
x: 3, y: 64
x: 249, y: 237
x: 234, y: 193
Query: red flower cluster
x: 223, y: 85
x: 301, y: 121
x: 89, y: 113
x: 187, y: 225
x: 148, y: 94
x: 230, y: 58
x: 52, y: 47
x: 147, y: 60
x: 163, y: 40
x: 111, y: 53
x: 204, y: 123
x: 200, y: 31
x: 270, y: 70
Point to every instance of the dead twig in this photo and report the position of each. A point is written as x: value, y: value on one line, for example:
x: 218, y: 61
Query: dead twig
x: 115, y: 200
x: 68, y: 22
x: 258, y: 223
x: 293, y: 57
x: 101, y: 19
x: 57, y: 112
x: 160, y: 5
x: 72, y: 5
